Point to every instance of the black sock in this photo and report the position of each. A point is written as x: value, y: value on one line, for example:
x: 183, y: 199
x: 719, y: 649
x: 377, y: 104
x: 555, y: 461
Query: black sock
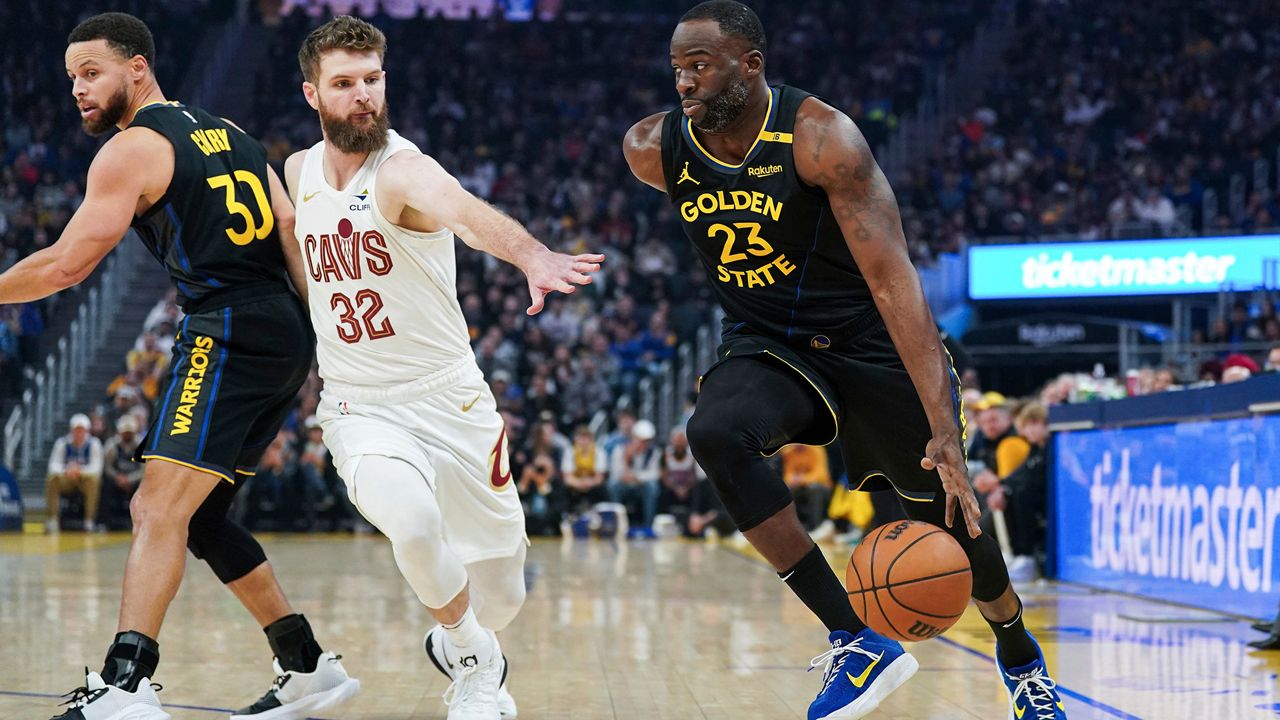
x: 132, y: 656
x: 293, y: 644
x: 1013, y: 643
x: 816, y: 584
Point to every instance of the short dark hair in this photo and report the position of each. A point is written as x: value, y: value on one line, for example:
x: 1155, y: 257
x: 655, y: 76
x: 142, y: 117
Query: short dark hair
x: 734, y: 19
x: 125, y: 34
x: 341, y: 33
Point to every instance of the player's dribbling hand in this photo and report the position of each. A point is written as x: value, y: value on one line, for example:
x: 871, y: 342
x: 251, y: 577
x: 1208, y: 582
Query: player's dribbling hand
x: 550, y: 272
x: 944, y: 455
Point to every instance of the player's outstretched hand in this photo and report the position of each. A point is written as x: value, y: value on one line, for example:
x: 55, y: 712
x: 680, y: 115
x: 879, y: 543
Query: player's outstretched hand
x: 556, y: 272
x: 944, y: 455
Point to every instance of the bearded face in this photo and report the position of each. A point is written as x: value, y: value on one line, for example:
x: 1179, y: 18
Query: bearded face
x: 106, y: 116
x: 723, y: 109
x: 359, y: 133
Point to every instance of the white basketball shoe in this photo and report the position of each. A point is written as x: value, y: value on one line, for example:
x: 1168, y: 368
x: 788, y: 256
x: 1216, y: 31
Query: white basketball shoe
x: 296, y: 695
x: 100, y: 701
x: 443, y: 655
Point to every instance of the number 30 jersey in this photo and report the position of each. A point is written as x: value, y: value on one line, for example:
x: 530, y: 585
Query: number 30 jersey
x: 213, y: 229
x: 383, y: 299
x: 776, y: 258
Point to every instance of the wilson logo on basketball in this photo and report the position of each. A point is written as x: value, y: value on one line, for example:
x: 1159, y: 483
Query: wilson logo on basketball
x: 499, y: 463
x: 924, y: 631
x: 897, y: 530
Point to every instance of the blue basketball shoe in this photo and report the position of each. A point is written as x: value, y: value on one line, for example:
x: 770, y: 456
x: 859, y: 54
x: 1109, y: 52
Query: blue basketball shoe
x: 1033, y: 695
x: 860, y: 671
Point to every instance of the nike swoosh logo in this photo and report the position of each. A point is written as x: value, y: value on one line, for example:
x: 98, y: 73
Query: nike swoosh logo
x: 1061, y: 707
x: 859, y: 681
x: 308, y: 196
x: 466, y: 407
x: 1019, y: 711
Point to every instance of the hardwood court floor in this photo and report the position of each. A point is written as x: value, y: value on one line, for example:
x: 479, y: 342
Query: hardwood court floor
x: 633, y: 631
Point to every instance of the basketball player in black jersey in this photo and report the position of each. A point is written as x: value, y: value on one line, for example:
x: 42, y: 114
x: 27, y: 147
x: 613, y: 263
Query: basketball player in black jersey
x: 827, y: 338
x: 202, y: 198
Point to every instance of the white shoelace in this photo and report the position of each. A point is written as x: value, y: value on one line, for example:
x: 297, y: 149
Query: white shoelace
x: 835, y: 658
x: 1036, y: 687
x: 467, y: 687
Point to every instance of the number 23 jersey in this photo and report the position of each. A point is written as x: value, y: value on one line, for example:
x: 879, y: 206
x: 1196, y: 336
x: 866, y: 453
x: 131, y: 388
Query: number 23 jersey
x: 383, y: 299
x: 776, y: 257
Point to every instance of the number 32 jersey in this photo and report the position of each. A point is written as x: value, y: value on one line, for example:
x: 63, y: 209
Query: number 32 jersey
x: 213, y: 229
x: 383, y: 299
x: 776, y: 258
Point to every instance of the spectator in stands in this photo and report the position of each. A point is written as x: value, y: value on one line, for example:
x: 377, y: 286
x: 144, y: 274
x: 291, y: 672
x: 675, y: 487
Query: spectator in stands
x: 541, y: 495
x: 680, y: 473
x: 637, y: 465
x: 808, y: 475
x: 1273, y: 359
x: 1022, y: 494
x: 269, y: 491
x: 996, y: 443
x: 315, y: 469
x: 74, y: 465
x: 1238, y: 367
x: 127, y: 401
x: 122, y: 474
x: 583, y: 470
x: 149, y: 355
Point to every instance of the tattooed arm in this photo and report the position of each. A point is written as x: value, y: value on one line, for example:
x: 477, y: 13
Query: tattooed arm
x: 831, y: 153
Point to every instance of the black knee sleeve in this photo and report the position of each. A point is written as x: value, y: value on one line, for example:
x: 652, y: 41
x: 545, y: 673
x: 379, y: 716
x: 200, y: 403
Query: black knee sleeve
x: 227, y: 547
x: 990, y: 576
x: 728, y: 446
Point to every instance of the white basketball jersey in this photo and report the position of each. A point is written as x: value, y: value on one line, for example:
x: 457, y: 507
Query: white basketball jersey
x: 383, y: 299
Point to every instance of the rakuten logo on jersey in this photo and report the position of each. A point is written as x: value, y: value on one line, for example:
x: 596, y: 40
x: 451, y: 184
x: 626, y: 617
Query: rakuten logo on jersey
x: 347, y: 254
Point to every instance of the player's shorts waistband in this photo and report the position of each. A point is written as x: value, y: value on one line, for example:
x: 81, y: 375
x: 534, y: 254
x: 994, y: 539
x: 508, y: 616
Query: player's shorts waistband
x: 417, y: 389
x: 235, y: 295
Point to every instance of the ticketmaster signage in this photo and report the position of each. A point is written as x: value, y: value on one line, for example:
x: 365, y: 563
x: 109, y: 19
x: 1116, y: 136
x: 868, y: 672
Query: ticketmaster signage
x: 1131, y: 267
x: 1187, y: 512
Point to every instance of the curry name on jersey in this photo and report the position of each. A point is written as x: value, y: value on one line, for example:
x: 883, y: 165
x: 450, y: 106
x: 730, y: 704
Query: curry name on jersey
x: 213, y: 229
x: 777, y: 260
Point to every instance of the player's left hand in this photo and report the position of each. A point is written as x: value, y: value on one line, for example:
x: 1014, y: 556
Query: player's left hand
x: 944, y: 455
x: 550, y: 272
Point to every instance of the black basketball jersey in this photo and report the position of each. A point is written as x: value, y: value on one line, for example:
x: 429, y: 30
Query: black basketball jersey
x: 777, y: 259
x: 213, y: 228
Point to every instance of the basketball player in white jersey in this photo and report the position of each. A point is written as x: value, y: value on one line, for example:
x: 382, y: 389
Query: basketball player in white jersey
x: 413, y: 428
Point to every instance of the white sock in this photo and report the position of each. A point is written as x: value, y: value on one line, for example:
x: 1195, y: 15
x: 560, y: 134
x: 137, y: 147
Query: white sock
x: 470, y: 640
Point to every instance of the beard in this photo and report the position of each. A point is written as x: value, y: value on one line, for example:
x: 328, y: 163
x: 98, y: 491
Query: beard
x: 356, y: 139
x: 109, y: 114
x: 725, y: 107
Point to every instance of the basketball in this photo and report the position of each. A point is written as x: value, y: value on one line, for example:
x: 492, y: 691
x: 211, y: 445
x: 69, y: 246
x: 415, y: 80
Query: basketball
x: 909, y: 580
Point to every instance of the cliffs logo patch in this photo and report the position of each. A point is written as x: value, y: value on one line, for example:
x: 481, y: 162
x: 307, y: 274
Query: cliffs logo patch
x: 362, y: 200
x: 499, y: 463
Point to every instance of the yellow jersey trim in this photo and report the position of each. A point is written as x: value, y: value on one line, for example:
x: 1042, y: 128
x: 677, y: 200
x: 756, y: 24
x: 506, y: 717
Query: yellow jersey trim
x: 904, y: 496
x: 835, y: 419
x: 170, y: 103
x: 207, y: 471
x: 768, y: 118
x: 246, y: 473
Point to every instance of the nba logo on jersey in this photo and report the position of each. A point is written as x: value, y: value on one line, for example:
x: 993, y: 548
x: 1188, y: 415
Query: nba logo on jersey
x: 343, y: 409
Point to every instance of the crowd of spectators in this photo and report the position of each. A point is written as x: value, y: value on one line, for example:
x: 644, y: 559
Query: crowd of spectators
x: 1110, y: 119
x: 534, y: 129
x: 43, y: 152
